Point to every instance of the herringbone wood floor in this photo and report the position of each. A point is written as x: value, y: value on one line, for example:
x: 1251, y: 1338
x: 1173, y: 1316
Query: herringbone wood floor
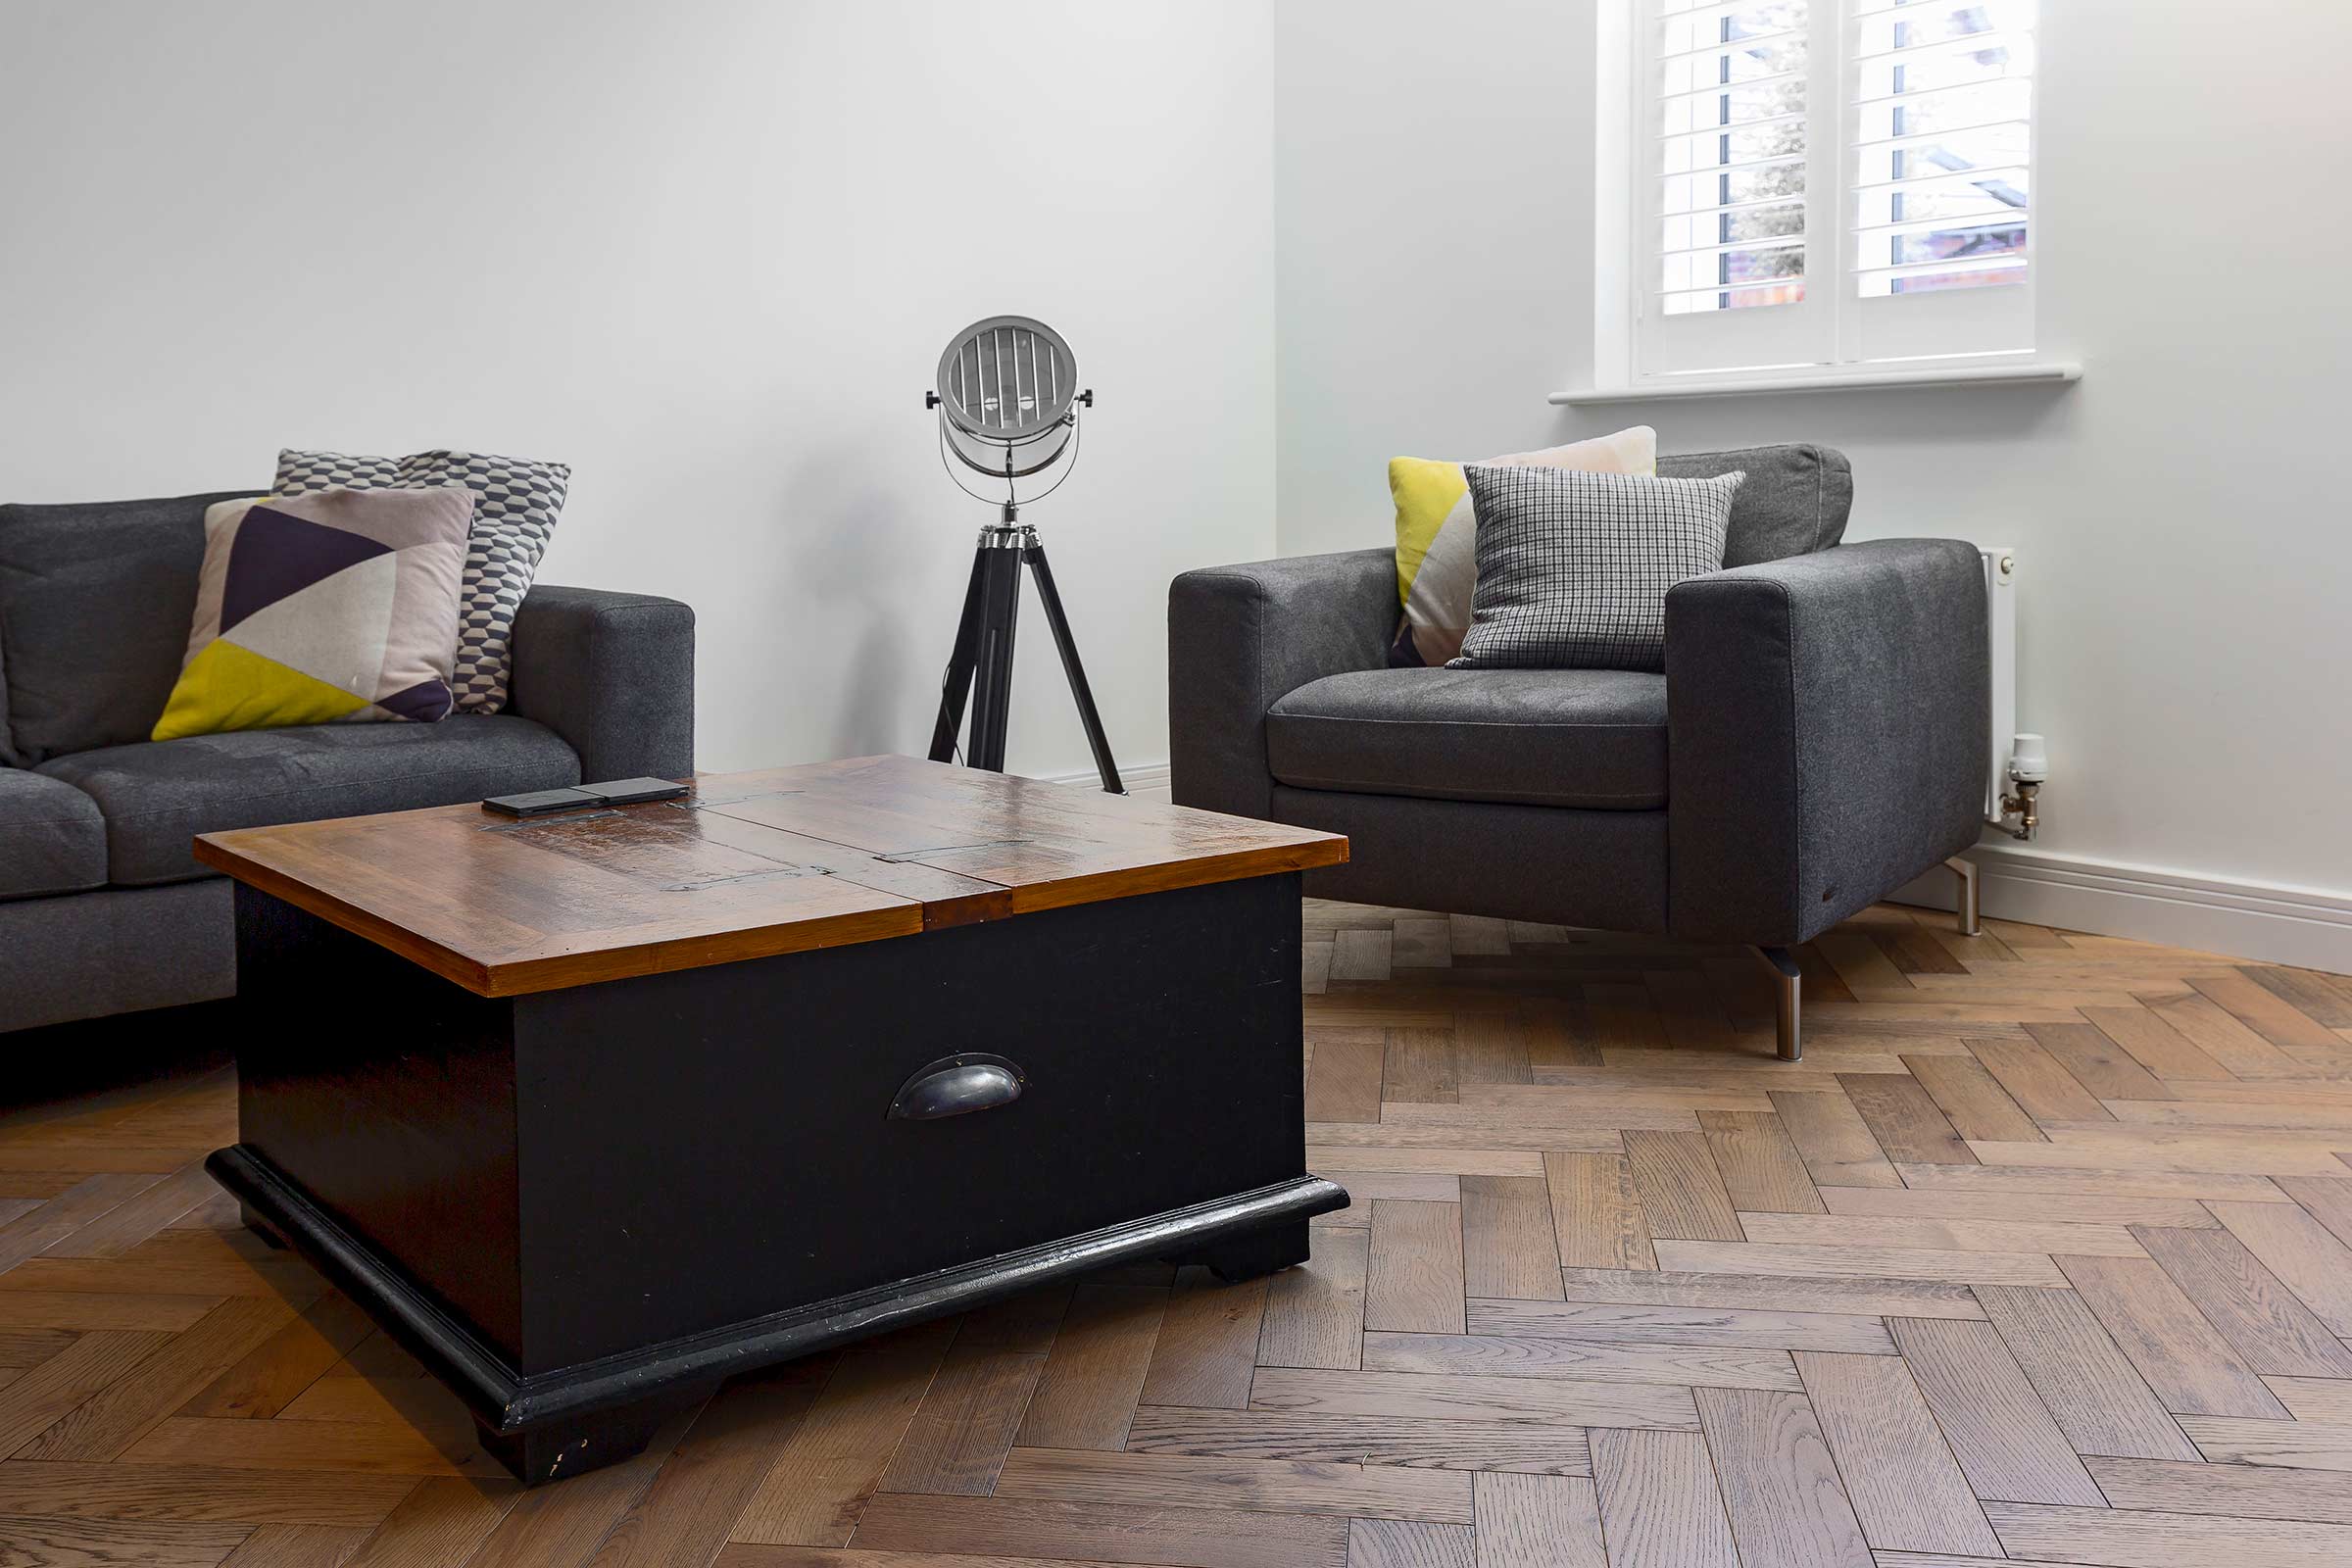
x: 2040, y: 1255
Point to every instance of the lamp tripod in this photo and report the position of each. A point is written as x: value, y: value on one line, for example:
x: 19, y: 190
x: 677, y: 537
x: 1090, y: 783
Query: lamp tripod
x: 980, y: 668
x: 1008, y: 385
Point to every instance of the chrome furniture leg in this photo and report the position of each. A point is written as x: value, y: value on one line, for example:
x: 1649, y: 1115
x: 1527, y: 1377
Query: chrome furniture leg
x: 1783, y: 964
x: 1966, y: 871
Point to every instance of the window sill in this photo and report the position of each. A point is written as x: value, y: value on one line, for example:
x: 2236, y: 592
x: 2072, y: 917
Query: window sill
x: 2040, y: 372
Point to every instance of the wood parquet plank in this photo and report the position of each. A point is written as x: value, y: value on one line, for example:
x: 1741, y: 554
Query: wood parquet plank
x: 2193, y: 1369
x: 1998, y: 1427
x: 2093, y: 1392
x: 2246, y: 1492
x: 1406, y: 1394
x: 1906, y: 1488
x: 1508, y: 1245
x: 1681, y: 1192
x: 1684, y: 1325
x: 1314, y: 1313
x: 1660, y: 1503
x: 1276, y: 1486
x: 1538, y: 1522
x: 2046, y: 1246
x: 1550, y: 1356
x: 2134, y: 1540
x: 1413, y: 1279
x: 1021, y: 1528
x: 1597, y: 1213
x: 1780, y: 1489
x: 1094, y: 1377
x: 1536, y: 1448
x: 2246, y: 1302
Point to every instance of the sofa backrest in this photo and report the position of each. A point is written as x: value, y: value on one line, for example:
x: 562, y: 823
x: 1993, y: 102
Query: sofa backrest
x: 96, y: 598
x: 1796, y: 499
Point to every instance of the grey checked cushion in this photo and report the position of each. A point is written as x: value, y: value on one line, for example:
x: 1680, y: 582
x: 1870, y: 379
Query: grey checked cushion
x: 514, y: 510
x: 1573, y: 567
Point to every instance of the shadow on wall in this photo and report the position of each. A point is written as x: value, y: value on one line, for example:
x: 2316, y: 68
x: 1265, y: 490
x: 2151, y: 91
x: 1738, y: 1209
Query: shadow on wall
x: 852, y: 557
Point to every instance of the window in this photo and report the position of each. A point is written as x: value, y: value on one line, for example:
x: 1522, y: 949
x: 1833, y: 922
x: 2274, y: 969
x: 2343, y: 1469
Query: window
x: 1828, y: 185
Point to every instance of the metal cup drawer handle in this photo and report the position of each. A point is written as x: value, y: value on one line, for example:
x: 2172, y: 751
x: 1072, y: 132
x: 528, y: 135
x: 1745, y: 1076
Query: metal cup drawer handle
x: 954, y: 1085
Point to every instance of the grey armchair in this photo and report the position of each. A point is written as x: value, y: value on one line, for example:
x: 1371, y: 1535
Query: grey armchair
x: 1817, y: 740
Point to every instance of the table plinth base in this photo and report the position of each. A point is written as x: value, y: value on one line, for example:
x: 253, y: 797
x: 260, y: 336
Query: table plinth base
x: 550, y: 1424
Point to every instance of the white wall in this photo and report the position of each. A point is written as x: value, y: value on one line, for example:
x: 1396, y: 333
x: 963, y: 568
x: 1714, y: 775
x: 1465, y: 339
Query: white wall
x: 705, y: 251
x: 2180, y: 513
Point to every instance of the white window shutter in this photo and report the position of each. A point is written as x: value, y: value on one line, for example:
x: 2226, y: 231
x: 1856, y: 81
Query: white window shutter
x: 1824, y: 183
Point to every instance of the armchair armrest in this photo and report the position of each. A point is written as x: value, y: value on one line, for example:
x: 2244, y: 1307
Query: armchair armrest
x: 612, y: 674
x: 1826, y: 733
x: 1242, y: 637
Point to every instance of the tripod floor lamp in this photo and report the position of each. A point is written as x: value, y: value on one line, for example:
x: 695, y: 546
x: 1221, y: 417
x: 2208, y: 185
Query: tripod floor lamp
x: 1009, y: 404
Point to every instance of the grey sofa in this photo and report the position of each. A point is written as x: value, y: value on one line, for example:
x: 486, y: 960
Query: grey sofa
x: 1817, y: 740
x: 102, y: 908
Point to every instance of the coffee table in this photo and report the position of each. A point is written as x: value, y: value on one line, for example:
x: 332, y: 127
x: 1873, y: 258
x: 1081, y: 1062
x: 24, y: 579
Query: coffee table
x: 592, y: 1111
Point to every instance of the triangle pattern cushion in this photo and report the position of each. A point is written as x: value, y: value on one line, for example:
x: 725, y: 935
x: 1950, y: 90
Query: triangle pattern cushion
x: 333, y: 606
x: 277, y: 553
x: 1437, y: 534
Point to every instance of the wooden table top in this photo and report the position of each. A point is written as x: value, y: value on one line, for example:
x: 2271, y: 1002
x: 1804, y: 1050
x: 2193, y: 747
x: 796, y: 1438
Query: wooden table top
x: 746, y: 867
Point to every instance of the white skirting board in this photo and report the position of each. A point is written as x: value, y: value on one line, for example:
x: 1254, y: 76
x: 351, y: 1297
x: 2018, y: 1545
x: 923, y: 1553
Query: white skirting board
x: 1148, y: 782
x: 2309, y: 927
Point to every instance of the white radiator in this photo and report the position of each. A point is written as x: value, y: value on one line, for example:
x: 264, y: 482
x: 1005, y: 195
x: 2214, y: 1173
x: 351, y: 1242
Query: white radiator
x: 2000, y: 594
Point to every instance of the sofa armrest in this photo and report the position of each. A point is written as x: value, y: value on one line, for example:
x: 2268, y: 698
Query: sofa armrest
x: 1826, y: 733
x: 1242, y: 637
x: 612, y: 673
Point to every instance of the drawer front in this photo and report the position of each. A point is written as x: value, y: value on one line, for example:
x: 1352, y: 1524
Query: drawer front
x: 698, y: 1149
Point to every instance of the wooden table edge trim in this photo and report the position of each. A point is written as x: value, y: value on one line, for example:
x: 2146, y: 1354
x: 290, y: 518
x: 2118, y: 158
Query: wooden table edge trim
x: 446, y: 963
x: 524, y: 976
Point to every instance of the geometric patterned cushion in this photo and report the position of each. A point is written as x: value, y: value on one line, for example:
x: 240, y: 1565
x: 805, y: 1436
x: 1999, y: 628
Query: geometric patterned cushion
x: 1573, y: 567
x: 515, y: 505
x: 313, y: 609
x: 1436, y: 535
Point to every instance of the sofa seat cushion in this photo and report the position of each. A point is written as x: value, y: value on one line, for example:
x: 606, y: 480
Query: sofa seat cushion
x: 158, y: 795
x: 52, y: 839
x: 1591, y: 738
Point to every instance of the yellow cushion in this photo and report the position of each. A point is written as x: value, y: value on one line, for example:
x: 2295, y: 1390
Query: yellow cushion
x: 1437, y: 534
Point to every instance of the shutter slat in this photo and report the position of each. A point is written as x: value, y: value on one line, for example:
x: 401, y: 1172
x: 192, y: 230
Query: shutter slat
x: 1732, y: 126
x: 2005, y: 261
x: 1716, y: 88
x: 1733, y: 46
x: 2007, y: 217
x: 1740, y: 247
x: 1965, y: 44
x: 1920, y: 138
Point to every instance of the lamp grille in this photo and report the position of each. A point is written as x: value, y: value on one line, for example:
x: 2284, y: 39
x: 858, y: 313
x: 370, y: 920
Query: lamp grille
x: 1008, y: 379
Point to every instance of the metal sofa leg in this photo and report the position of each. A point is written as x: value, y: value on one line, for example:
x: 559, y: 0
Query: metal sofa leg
x: 1966, y: 871
x: 1785, y: 974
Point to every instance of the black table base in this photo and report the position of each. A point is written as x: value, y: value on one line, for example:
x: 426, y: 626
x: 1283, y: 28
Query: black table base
x: 582, y: 1209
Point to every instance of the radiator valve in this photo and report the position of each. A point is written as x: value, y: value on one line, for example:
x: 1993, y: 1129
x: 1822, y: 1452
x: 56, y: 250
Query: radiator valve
x: 2029, y: 768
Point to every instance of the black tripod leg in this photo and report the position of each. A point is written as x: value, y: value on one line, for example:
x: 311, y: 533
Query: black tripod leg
x: 992, y: 682
x: 958, y: 684
x: 1035, y: 556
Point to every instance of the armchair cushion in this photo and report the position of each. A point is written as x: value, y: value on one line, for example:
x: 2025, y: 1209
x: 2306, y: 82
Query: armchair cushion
x: 1593, y: 738
x: 1794, y: 500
